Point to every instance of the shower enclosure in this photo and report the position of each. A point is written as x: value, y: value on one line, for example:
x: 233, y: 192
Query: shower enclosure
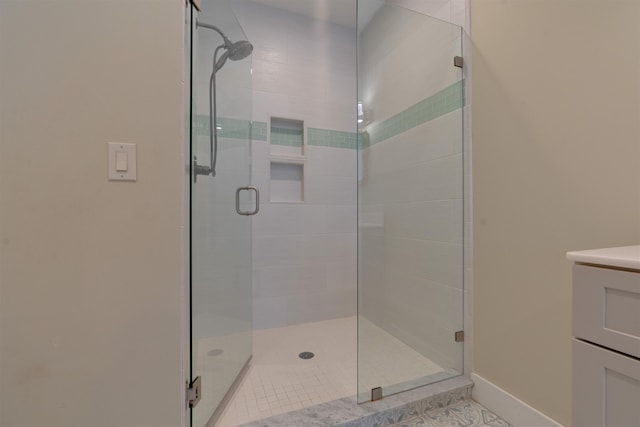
x: 350, y: 114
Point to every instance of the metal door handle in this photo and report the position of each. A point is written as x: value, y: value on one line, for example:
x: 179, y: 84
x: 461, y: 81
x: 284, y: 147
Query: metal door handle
x: 248, y: 188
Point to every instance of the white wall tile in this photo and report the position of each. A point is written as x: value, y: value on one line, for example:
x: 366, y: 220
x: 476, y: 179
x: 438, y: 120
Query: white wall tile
x: 340, y: 218
x: 259, y: 160
x: 338, y: 274
x: 341, y: 162
x: 261, y: 181
x: 340, y: 248
x: 283, y: 281
x: 280, y: 219
x: 267, y: 104
x: 270, y: 312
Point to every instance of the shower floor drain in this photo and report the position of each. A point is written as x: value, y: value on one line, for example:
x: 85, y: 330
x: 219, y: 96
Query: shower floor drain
x: 306, y: 355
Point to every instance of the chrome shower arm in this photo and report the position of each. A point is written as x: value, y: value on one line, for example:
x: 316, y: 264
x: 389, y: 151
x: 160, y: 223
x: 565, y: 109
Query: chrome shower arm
x: 227, y: 42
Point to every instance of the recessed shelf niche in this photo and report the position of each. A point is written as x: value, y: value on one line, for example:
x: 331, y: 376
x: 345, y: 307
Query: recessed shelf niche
x: 287, y: 182
x: 286, y: 136
x: 286, y: 159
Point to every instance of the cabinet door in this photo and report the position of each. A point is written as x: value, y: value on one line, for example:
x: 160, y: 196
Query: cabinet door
x: 606, y: 387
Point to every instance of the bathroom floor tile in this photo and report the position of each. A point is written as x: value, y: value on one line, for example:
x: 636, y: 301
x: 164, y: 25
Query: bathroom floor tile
x: 467, y: 413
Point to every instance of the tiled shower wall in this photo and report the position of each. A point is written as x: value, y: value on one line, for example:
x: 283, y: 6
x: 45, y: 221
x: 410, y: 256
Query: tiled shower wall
x: 304, y: 253
x: 454, y: 11
x: 412, y: 183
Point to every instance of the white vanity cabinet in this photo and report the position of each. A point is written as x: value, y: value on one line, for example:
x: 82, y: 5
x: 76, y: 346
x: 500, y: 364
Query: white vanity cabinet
x: 606, y: 337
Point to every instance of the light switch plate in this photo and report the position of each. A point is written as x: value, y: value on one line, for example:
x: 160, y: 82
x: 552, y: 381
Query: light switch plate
x: 126, y: 153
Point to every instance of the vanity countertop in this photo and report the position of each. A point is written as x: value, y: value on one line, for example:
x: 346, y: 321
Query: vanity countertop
x: 623, y: 257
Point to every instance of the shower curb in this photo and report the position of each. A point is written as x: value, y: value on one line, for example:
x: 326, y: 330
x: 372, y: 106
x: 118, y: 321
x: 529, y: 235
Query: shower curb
x: 346, y: 412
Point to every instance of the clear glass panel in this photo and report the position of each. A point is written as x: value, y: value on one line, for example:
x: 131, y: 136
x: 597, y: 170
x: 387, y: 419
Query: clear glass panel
x: 410, y: 200
x: 220, y: 238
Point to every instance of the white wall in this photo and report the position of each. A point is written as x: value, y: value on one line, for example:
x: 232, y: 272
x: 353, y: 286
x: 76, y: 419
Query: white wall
x: 411, y: 193
x: 304, y: 254
x: 90, y: 270
x: 556, y: 168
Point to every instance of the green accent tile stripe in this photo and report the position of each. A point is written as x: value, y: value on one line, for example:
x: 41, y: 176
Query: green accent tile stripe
x: 232, y: 128
x: 364, y: 141
x: 259, y: 131
x: 201, y: 125
x: 447, y: 100
x: 286, y: 136
x: 332, y: 138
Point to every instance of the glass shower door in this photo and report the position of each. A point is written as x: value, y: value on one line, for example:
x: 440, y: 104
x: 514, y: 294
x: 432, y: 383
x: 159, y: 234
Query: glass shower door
x: 220, y: 204
x: 410, y: 201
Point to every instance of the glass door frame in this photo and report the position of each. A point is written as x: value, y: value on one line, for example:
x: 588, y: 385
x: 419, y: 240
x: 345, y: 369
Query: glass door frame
x: 380, y: 298
x: 219, y: 248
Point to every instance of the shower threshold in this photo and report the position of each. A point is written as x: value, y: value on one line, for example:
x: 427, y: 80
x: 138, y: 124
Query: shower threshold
x: 346, y: 412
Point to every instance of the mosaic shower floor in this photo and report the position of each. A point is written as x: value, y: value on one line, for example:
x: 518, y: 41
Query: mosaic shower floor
x: 278, y: 381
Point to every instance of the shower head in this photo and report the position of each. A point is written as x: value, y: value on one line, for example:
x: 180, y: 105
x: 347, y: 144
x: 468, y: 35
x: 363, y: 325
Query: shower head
x: 240, y: 50
x: 235, y: 52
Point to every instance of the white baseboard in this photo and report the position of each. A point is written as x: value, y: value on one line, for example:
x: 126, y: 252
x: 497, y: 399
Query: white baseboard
x: 507, y: 406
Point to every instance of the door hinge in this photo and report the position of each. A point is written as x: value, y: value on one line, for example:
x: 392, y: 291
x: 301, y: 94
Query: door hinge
x: 376, y: 394
x: 459, y: 336
x: 458, y: 61
x: 194, y: 392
